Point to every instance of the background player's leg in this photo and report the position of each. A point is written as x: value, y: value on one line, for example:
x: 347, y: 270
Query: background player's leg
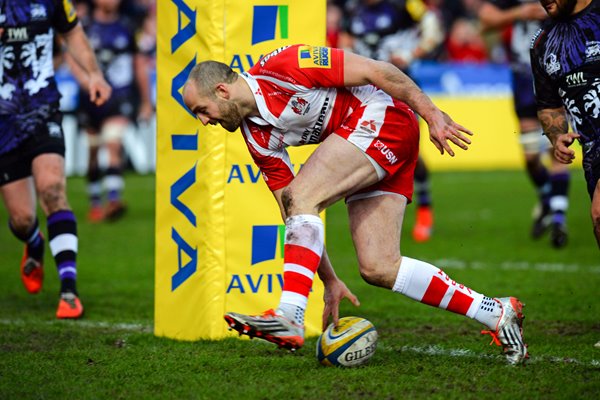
x: 112, y: 133
x: 424, y: 213
x: 94, y: 177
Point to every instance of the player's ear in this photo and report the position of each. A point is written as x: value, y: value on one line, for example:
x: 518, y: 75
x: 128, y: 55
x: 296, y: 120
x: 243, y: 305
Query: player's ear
x: 222, y: 91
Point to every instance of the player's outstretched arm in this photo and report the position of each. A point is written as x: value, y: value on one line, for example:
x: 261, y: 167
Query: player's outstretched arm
x: 360, y: 70
x: 81, y: 51
x: 335, y: 291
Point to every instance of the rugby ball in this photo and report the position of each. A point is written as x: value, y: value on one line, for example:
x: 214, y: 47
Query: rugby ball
x: 351, y: 343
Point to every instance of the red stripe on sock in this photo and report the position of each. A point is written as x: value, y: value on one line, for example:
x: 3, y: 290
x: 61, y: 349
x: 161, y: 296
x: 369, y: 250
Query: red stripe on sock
x: 460, y: 303
x: 297, y: 283
x: 293, y: 281
x: 435, y: 292
x: 300, y: 255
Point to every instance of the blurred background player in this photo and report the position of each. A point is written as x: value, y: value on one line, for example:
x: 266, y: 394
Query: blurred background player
x: 400, y: 32
x: 113, y: 39
x: 32, y: 145
x: 523, y: 18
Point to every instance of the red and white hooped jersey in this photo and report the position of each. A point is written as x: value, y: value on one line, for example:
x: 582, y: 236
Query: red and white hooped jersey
x: 300, y: 94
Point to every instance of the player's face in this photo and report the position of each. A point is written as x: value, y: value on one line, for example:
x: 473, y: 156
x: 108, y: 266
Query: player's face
x: 559, y: 8
x: 212, y: 110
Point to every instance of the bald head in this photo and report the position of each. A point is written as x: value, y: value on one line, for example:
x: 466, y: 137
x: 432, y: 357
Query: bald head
x: 208, y: 74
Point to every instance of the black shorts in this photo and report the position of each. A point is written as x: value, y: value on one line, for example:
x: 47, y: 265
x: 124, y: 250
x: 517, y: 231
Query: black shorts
x: 591, y: 165
x: 16, y: 164
x: 523, y: 95
x: 121, y: 103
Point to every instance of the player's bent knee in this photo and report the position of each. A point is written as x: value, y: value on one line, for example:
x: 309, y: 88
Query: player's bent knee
x: 21, y: 221
x: 533, y: 142
x: 374, y: 274
x: 112, y: 132
x: 293, y: 202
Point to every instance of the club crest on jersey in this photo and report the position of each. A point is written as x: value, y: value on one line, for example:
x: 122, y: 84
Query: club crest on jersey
x: 38, y: 12
x: 314, y: 57
x: 551, y: 63
x: 300, y: 106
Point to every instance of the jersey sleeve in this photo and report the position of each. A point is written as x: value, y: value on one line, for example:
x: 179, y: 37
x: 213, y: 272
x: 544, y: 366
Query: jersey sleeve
x: 65, y: 16
x: 275, y: 165
x: 546, y: 90
x: 305, y: 65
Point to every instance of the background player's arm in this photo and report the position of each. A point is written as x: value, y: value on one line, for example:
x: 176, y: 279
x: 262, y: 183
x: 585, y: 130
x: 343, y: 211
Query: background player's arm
x: 80, y: 50
x: 555, y: 125
x: 335, y: 289
x: 142, y: 76
x: 360, y: 71
x: 493, y: 17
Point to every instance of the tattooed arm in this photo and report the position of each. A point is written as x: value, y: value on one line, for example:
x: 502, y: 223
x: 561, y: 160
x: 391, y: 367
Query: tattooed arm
x: 555, y: 126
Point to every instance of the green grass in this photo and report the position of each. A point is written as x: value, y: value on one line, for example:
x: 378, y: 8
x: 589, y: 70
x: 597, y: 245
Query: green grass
x: 481, y: 239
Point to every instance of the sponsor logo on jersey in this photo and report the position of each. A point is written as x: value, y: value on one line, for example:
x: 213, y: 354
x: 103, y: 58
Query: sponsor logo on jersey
x: 551, y: 63
x: 264, y: 23
x: 299, y: 105
x: 266, y: 58
x: 70, y: 12
x: 383, y: 149
x: 592, y: 51
x: 314, y: 57
x: 575, y: 79
x: 312, y: 136
x: 19, y: 34
x: 368, y: 126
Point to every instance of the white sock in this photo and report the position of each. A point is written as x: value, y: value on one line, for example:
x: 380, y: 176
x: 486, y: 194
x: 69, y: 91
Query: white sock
x: 428, y: 284
x: 292, y: 312
x: 489, y: 312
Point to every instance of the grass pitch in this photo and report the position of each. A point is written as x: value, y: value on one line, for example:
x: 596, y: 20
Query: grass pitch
x: 481, y: 239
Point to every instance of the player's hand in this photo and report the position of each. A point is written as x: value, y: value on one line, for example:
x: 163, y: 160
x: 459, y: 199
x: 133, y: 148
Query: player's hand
x: 335, y: 292
x: 98, y: 89
x: 443, y: 129
x: 146, y: 111
x: 562, y: 152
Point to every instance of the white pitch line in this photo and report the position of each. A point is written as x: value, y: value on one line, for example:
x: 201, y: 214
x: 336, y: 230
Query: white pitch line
x: 427, y: 350
x: 466, y: 353
x: 118, y: 326
x: 516, y: 266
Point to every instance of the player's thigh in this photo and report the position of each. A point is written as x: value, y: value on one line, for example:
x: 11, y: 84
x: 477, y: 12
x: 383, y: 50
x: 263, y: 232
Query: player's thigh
x: 376, y: 226
x: 19, y: 199
x: 334, y: 170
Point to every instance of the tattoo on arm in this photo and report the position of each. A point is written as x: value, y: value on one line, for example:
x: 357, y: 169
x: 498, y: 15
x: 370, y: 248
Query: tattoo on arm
x: 554, y: 122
